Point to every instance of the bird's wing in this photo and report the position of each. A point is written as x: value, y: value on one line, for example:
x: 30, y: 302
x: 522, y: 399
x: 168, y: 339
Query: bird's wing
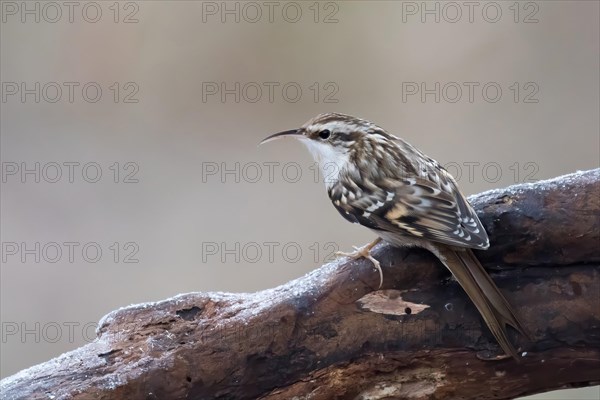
x: 418, y: 207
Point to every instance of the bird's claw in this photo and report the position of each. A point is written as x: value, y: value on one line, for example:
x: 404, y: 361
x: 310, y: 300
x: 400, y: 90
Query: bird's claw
x: 363, y: 252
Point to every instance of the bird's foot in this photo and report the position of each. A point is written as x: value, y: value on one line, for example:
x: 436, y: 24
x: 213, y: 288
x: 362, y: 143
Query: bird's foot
x: 365, y: 252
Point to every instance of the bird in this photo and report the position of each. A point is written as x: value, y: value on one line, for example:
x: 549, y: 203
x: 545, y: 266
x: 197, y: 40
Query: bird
x: 407, y: 199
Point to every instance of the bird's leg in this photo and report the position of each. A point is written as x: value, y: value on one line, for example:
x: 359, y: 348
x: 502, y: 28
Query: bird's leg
x: 365, y: 252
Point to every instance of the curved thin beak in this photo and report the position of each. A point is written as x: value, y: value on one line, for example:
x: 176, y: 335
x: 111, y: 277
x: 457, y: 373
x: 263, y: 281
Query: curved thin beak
x: 292, y: 132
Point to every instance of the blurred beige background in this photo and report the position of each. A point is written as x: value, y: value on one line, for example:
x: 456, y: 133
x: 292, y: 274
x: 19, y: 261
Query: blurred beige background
x: 167, y: 126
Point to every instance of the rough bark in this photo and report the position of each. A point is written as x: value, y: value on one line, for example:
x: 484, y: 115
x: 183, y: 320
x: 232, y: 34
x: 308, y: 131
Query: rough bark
x: 331, y: 334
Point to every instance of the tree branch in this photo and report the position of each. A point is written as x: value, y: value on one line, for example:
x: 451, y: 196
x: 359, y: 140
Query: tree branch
x: 330, y: 335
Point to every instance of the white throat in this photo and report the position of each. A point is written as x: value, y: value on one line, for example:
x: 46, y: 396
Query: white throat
x: 332, y: 161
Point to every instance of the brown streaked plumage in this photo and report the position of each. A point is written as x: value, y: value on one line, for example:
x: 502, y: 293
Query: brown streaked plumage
x: 382, y: 182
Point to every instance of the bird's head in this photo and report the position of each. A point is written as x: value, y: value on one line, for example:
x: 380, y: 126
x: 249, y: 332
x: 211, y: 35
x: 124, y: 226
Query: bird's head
x: 337, y: 140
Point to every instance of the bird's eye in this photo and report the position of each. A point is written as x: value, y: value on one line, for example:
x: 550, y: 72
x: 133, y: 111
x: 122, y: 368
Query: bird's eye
x: 324, y: 134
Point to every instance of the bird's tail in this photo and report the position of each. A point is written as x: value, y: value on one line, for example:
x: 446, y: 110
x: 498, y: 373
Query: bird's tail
x: 494, y: 308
